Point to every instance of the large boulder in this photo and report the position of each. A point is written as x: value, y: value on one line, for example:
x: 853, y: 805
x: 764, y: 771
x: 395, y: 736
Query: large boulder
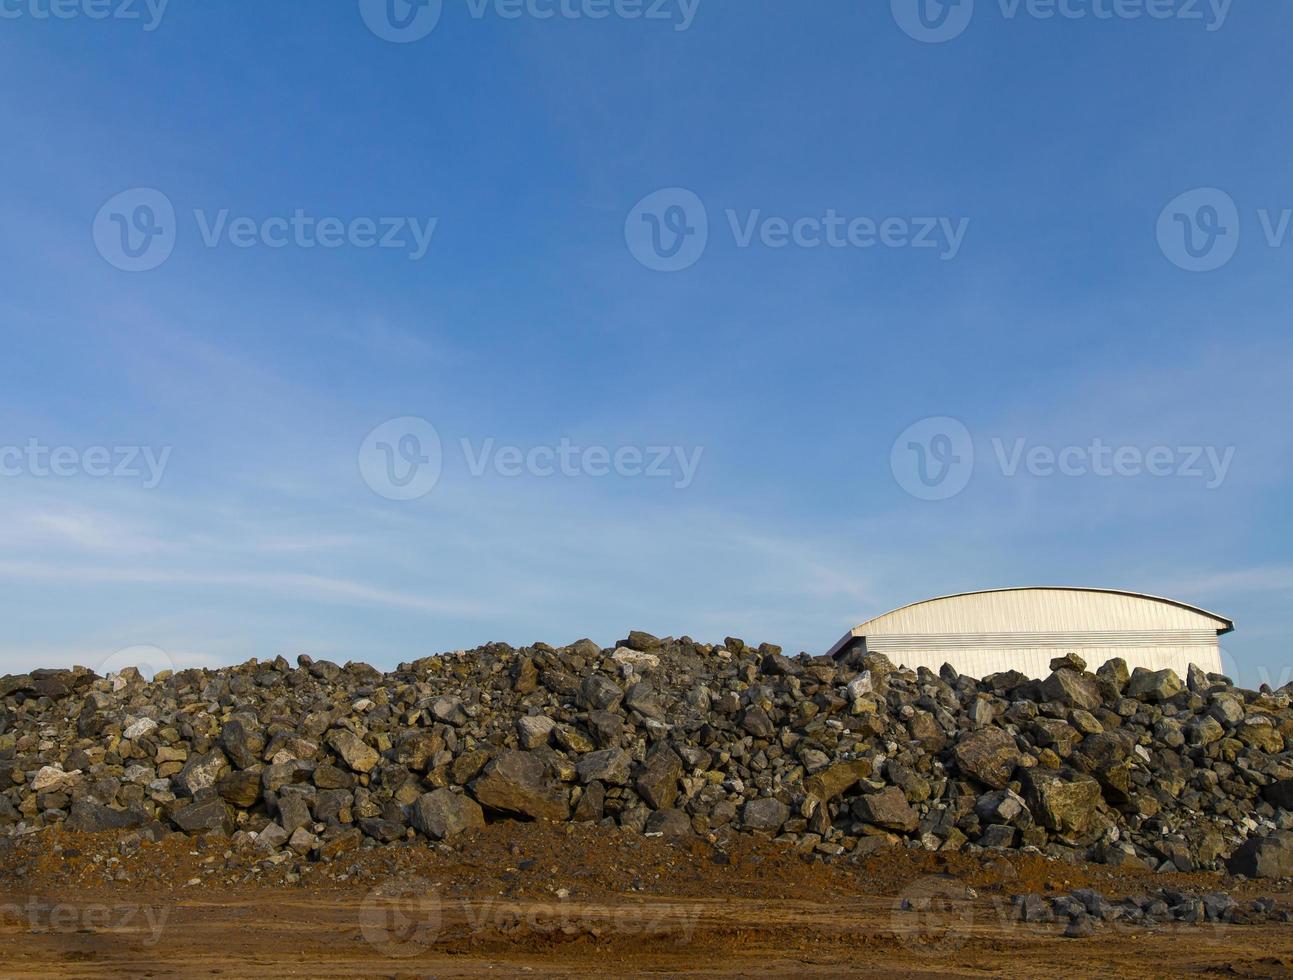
x: 1066, y: 806
x: 888, y: 810
x: 988, y: 755
x: 1154, y: 686
x: 609, y: 766
x: 517, y: 782
x: 353, y: 750
x: 600, y: 693
x: 837, y: 779
x: 1264, y: 857
x: 1280, y: 794
x: 89, y: 817
x: 657, y: 780
x: 767, y: 814
x: 200, y: 772
x: 242, y: 743
x: 209, y: 815
x: 1072, y: 688
x: 444, y: 813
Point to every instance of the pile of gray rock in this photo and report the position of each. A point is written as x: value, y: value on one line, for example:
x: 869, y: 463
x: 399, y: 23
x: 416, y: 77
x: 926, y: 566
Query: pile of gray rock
x: 1083, y: 911
x: 669, y: 736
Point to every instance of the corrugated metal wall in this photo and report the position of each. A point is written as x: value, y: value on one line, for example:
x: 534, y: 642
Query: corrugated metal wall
x: 1039, y: 610
x: 1036, y: 663
x: 1024, y: 629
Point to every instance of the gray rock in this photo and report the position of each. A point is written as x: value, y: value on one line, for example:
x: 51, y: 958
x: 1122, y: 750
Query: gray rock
x: 766, y: 814
x: 600, y: 693
x: 671, y: 823
x: 609, y: 766
x: 352, y: 750
x: 1264, y: 857
x: 516, y: 782
x: 208, y: 816
x: 534, y: 730
x: 988, y: 755
x: 1154, y: 686
x: 888, y: 810
x: 443, y: 814
x: 293, y: 812
x: 89, y: 817
x: 1070, y: 687
x: 201, y: 772
x: 657, y: 780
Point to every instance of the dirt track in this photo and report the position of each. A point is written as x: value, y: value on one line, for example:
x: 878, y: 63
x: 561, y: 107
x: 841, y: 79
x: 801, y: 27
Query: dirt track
x: 542, y: 901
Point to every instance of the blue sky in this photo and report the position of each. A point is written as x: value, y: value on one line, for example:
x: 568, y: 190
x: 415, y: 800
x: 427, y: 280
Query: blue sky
x: 994, y: 217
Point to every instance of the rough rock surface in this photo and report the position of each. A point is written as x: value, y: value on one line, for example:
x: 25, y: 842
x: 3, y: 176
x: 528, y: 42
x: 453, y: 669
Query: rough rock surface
x: 668, y: 736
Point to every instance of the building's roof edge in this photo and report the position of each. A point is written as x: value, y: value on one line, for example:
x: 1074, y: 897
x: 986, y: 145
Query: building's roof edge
x: 860, y: 630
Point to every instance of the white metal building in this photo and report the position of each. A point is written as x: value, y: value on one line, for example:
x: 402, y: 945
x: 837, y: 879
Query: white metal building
x: 981, y: 633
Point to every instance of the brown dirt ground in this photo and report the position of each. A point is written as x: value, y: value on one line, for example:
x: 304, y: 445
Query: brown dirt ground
x: 570, y: 900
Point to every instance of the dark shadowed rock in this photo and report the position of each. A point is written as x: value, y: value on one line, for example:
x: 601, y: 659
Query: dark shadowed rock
x: 207, y: 816
x: 516, y: 783
x: 92, y: 818
x: 657, y: 780
x: 242, y: 789
x: 1264, y: 857
x: 670, y: 823
x: 599, y: 693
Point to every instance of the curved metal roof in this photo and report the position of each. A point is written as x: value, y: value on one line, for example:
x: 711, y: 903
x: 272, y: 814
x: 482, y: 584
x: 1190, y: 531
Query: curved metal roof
x: 1227, y: 625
